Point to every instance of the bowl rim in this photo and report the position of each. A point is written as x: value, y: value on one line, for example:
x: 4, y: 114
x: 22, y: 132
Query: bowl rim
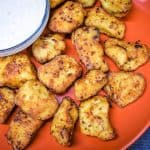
x: 27, y: 42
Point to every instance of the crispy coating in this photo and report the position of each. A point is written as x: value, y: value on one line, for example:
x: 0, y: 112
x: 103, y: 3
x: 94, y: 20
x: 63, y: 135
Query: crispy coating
x: 87, y: 3
x: 128, y: 56
x: 64, y: 121
x: 35, y: 100
x: 124, y: 88
x: 106, y: 23
x: 54, y: 3
x: 67, y: 18
x: 94, y: 118
x: 15, y: 70
x: 118, y: 8
x: 90, y: 51
x: 48, y: 47
x: 59, y: 73
x: 22, y: 129
x: 7, y: 103
x: 90, y: 84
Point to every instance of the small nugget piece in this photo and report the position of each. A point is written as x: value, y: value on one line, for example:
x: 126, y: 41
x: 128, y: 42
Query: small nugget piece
x: 54, y: 3
x: 7, y: 103
x: 47, y: 47
x: 124, y: 88
x: 64, y: 121
x: 106, y: 23
x: 59, y: 73
x: 67, y: 18
x: 90, y: 84
x: 22, y: 129
x: 16, y: 70
x: 128, y: 56
x: 118, y: 8
x: 90, y: 51
x: 35, y: 100
x: 94, y: 119
x: 87, y: 3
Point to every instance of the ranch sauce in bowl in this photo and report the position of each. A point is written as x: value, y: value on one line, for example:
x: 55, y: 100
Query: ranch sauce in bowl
x: 21, y: 23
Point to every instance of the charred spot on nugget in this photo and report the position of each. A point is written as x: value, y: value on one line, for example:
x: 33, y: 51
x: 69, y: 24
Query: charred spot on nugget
x: 59, y: 74
x: 67, y: 18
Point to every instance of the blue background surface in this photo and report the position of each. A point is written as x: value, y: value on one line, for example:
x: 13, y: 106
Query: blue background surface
x: 143, y: 143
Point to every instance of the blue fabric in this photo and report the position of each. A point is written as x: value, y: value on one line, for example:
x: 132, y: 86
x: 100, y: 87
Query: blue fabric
x: 143, y: 143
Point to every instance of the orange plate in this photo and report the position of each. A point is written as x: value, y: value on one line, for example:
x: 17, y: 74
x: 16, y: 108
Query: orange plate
x: 129, y: 122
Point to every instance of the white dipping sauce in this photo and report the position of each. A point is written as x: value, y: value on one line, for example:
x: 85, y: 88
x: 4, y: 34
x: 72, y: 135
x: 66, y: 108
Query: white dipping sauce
x: 19, y: 19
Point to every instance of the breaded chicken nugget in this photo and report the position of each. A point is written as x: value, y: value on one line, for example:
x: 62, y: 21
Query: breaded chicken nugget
x: 127, y: 55
x: 67, y: 18
x: 64, y: 121
x: 124, y: 88
x: 15, y: 70
x: 118, y: 8
x: 59, y: 73
x: 90, y: 51
x: 7, y: 103
x: 87, y: 3
x: 54, y: 3
x: 106, y: 23
x: 94, y: 119
x: 35, y: 100
x: 90, y: 84
x: 22, y: 129
x: 47, y: 47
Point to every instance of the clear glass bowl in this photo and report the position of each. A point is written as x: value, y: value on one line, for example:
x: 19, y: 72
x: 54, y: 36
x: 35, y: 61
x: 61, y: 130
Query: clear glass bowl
x: 27, y: 42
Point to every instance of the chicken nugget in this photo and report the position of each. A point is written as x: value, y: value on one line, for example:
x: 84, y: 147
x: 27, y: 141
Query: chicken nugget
x: 67, y: 18
x: 94, y: 118
x: 124, y: 88
x: 128, y: 56
x: 90, y: 84
x: 87, y: 3
x: 54, y: 3
x: 22, y: 129
x: 90, y: 51
x: 60, y: 73
x: 64, y: 121
x: 47, y: 47
x: 7, y: 103
x: 118, y: 8
x: 35, y: 100
x: 106, y: 23
x: 16, y: 70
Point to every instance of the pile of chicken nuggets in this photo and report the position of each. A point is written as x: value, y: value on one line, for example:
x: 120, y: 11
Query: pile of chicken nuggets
x: 33, y: 90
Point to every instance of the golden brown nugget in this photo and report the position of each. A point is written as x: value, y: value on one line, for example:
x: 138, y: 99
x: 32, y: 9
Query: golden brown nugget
x: 59, y: 74
x: 90, y: 84
x: 16, y: 70
x: 35, y: 100
x: 94, y: 118
x: 90, y: 51
x: 118, y: 8
x: 22, y: 129
x: 64, y: 121
x: 48, y: 47
x: 7, y: 103
x: 54, y: 3
x: 67, y: 18
x: 124, y: 88
x: 128, y: 56
x: 106, y: 23
x: 87, y: 3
